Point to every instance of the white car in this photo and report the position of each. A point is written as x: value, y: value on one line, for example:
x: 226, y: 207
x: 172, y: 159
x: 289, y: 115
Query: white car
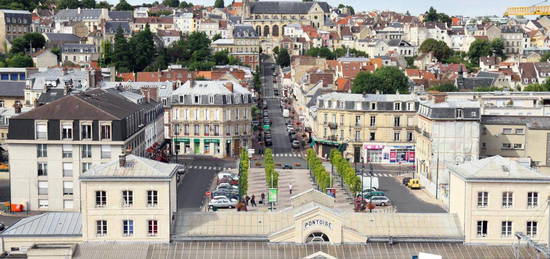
x: 289, y: 127
x: 224, y: 174
x: 379, y: 200
x: 227, y: 186
x: 222, y: 202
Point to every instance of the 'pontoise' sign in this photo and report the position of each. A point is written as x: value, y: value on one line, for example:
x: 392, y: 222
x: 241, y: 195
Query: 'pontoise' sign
x: 317, y: 222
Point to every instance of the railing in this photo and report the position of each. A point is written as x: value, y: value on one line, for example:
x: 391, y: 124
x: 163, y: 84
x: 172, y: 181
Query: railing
x: 332, y: 125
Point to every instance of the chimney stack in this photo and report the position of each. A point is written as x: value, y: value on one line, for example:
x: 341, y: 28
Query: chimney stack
x: 78, y: 10
x: 122, y: 160
x: 229, y: 86
x: 17, y: 107
x: 440, y: 97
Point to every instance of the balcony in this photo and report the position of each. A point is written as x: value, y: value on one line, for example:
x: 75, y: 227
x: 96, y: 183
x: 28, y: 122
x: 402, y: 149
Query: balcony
x: 332, y: 138
x: 332, y: 125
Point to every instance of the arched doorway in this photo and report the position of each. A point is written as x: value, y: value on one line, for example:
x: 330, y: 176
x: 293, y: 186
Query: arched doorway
x: 275, y: 31
x: 283, y: 30
x: 266, y: 30
x: 259, y: 30
x: 317, y: 237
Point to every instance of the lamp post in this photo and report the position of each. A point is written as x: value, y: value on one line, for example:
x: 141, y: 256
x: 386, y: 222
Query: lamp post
x: 362, y: 176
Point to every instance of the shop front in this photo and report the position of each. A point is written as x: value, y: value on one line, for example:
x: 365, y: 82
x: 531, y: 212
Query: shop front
x: 323, y: 147
x: 389, y: 154
x: 182, y: 146
x: 212, y: 147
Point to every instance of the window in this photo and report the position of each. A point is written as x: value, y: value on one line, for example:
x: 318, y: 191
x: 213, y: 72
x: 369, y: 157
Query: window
x: 325, y: 121
x: 473, y: 114
x: 372, y: 136
x: 86, y: 151
x: 357, y: 135
x: 518, y: 146
x: 482, y: 228
x: 373, y: 106
x: 459, y: 113
x: 396, y: 136
x: 68, y: 169
x: 68, y: 188
x: 211, y: 99
x: 531, y: 228
x: 206, y: 130
x: 342, y: 119
x: 128, y: 227
x: 532, y: 199
x: 372, y: 121
x: 506, y: 146
x: 41, y: 150
x: 357, y: 120
x: 42, y: 187
x: 195, y: 99
x: 152, y: 198
x: 507, y: 198
x: 41, y: 131
x: 153, y: 227
x: 67, y: 131
x: 397, y: 106
x: 42, y: 204
x: 396, y: 121
x: 186, y: 129
x: 506, y: 131
x: 216, y: 130
x: 105, y: 132
x: 127, y: 198
x: 86, y: 131
x: 410, y: 106
x: 105, y: 151
x: 519, y: 131
x: 42, y: 169
x: 101, y: 227
x: 409, y: 136
x: 482, y: 199
x: 197, y: 130
x: 506, y: 228
x: 100, y: 199
x: 67, y: 151
x: 68, y: 204
x: 86, y: 167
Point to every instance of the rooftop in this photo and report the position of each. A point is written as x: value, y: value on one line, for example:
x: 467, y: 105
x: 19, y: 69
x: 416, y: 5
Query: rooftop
x: 47, y: 225
x: 285, y: 7
x: 135, y: 168
x: 12, y: 89
x: 367, y: 97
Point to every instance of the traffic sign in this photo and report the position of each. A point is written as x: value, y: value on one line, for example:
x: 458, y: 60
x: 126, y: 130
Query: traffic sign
x: 272, y: 195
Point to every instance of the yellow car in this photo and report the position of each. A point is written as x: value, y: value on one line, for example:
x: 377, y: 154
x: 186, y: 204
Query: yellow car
x: 414, y: 184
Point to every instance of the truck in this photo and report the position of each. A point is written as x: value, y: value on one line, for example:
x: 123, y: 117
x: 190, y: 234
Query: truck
x: 286, y: 113
x: 250, y: 152
x: 368, y: 180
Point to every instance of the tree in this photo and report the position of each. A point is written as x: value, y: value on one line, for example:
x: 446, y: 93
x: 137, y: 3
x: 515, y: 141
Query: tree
x: 104, y: 4
x: 19, y: 60
x: 71, y: 4
x: 88, y: 4
x: 24, y: 43
x: 221, y: 57
x: 545, y: 57
x: 122, y: 54
x: 497, y: 47
x: 171, y: 3
x: 184, y: 4
x: 216, y: 37
x: 438, y: 48
x: 479, y: 48
x: 123, y: 5
x: 276, y: 50
x: 143, y: 47
x: 537, y: 87
x: 283, y: 59
x: 448, y: 87
x: 219, y: 4
x: 387, y: 80
x: 433, y: 16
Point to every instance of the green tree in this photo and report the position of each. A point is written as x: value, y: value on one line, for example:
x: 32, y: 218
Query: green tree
x: 106, y: 52
x: 487, y: 89
x: 438, y: 48
x: 233, y: 61
x: 19, y: 60
x: 276, y: 50
x: 433, y: 16
x: 104, y: 4
x: 448, y: 87
x: 122, y: 54
x: 545, y: 57
x: 283, y: 59
x: 123, y: 5
x: 537, y: 88
x: 219, y: 4
x: 71, y: 4
x: 387, y: 80
x: 216, y: 37
x: 184, y: 4
x: 88, y: 4
x: 221, y: 57
x: 171, y: 3
x: 497, y: 48
x: 24, y: 43
x: 479, y: 48
x: 143, y: 47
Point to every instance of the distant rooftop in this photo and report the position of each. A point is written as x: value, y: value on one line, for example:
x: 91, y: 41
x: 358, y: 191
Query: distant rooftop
x: 47, y: 225
x: 135, y: 168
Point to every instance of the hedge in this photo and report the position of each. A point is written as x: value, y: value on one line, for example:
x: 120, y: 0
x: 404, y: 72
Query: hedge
x: 320, y: 174
x: 345, y: 170
x: 244, y: 164
x: 270, y: 172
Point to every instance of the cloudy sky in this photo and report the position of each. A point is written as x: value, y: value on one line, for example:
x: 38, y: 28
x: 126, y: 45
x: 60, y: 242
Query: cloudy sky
x: 451, y: 7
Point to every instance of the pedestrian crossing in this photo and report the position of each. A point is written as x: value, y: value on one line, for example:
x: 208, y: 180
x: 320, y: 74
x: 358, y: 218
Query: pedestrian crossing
x: 204, y: 167
x: 381, y: 175
x: 288, y: 155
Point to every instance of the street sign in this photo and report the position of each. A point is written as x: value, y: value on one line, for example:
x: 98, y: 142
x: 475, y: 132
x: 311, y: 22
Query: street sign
x: 272, y: 195
x: 207, y: 194
x: 267, y: 126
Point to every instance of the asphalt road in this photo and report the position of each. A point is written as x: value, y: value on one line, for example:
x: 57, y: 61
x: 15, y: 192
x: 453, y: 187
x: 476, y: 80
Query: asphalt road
x: 196, y: 182
x: 402, y: 198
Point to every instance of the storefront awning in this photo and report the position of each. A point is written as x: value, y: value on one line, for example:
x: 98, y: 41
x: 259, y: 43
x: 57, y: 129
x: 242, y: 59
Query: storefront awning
x: 197, y: 140
x: 206, y: 141
x: 180, y: 140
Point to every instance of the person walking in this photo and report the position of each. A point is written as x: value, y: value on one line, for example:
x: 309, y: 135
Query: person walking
x: 247, y: 200
x: 290, y: 188
x: 253, y: 200
x: 262, y: 201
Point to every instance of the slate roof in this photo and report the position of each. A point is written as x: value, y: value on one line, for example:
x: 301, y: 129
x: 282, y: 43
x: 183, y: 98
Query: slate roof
x: 47, y: 225
x: 399, y: 43
x: 121, y: 16
x: 282, y: 7
x: 73, y: 15
x: 497, y: 168
x: 532, y: 122
x: 62, y: 37
x: 136, y: 167
x: 471, y: 83
x: 244, y: 31
x: 111, y: 27
x: 51, y: 95
x: 12, y: 89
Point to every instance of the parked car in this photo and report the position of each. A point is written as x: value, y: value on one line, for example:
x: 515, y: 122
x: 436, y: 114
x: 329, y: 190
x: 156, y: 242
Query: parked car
x: 266, y: 113
x: 222, y: 202
x: 268, y: 142
x: 287, y: 166
x: 224, y: 174
x: 255, y: 123
x: 292, y: 136
x: 291, y: 131
x: 288, y: 128
x: 227, y: 186
x: 295, y: 144
x: 227, y: 193
x: 406, y: 180
x: 379, y: 200
x: 414, y: 183
x: 373, y: 194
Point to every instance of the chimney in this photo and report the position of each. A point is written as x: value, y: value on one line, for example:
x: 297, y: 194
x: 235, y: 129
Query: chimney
x: 78, y: 10
x: 440, y: 97
x: 229, y: 86
x: 122, y: 160
x: 17, y: 107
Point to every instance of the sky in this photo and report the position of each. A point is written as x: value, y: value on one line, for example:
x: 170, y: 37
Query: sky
x: 415, y: 7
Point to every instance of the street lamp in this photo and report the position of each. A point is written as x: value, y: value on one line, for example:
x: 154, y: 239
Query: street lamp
x: 362, y: 176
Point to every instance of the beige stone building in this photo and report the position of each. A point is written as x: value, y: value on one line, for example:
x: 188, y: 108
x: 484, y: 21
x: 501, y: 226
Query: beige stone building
x: 211, y: 118
x: 496, y: 197
x: 378, y: 128
x: 13, y: 24
x: 244, y: 45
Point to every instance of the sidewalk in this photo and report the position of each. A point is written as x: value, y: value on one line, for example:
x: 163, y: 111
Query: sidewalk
x: 343, y: 200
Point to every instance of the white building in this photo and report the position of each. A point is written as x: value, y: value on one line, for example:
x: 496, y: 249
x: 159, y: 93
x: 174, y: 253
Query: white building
x: 185, y: 22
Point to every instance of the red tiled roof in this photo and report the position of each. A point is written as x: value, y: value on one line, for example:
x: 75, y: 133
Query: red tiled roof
x: 343, y: 84
x: 127, y: 76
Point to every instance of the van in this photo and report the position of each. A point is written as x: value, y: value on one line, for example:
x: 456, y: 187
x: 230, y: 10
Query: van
x: 414, y: 183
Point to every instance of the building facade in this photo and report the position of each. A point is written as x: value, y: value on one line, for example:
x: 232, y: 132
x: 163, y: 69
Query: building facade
x: 13, y: 24
x: 211, y: 118
x: 49, y: 149
x: 80, y: 54
x: 244, y: 45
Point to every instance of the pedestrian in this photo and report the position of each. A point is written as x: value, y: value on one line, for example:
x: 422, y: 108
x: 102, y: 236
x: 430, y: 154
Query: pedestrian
x: 262, y: 201
x: 290, y: 188
x: 247, y: 199
x: 253, y: 200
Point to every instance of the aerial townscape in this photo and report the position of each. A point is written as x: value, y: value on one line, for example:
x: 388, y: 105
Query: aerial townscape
x: 273, y: 129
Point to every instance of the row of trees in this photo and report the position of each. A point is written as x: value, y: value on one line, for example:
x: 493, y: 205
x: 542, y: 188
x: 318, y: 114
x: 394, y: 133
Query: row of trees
x: 324, y: 52
x: 345, y: 170
x: 271, y: 176
x: 322, y: 177
x: 387, y: 80
x: 244, y: 165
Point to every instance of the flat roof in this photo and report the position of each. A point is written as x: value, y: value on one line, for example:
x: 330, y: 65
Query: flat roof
x: 47, y: 225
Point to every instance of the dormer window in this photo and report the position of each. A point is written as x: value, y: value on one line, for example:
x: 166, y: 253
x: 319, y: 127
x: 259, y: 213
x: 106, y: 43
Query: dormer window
x: 195, y: 99
x: 397, y: 106
x: 211, y: 99
x: 181, y: 98
x: 373, y: 106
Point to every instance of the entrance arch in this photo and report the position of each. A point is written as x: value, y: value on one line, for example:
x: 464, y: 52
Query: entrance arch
x: 317, y: 237
x: 259, y: 30
x: 275, y: 31
x: 266, y: 30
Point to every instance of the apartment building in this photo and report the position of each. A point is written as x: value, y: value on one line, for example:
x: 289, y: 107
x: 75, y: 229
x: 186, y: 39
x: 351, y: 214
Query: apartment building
x: 53, y: 144
x: 244, y: 45
x: 211, y: 118
x: 447, y: 133
x: 496, y: 197
x: 185, y: 22
x: 13, y: 24
x: 129, y: 199
x: 523, y: 138
x: 378, y: 128
x: 80, y: 54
